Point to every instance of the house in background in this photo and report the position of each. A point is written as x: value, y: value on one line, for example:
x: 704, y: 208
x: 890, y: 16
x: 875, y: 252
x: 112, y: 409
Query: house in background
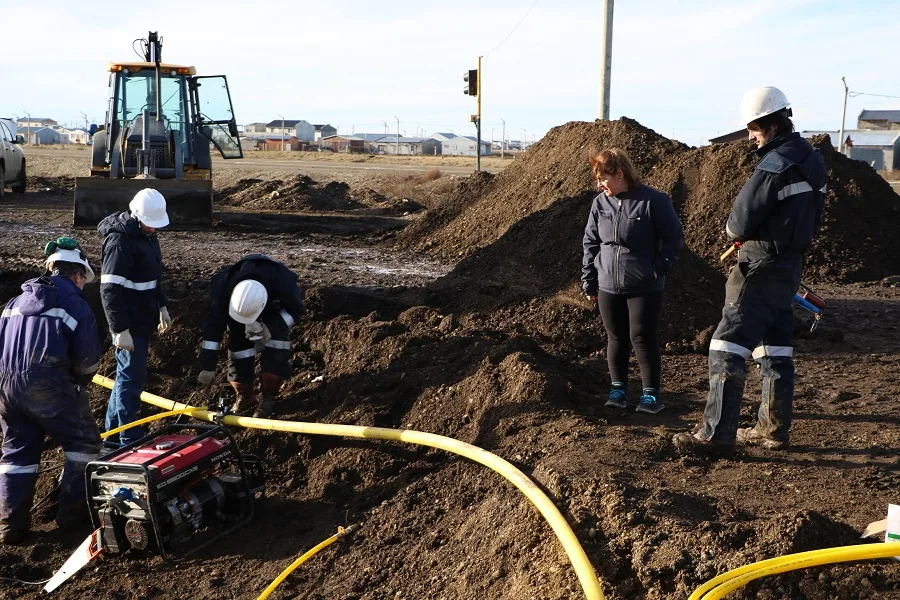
x: 252, y: 128
x: 44, y: 135
x: 879, y: 148
x: 878, y: 119
x: 444, y: 137
x: 390, y: 144
x: 286, y: 126
x: 35, y: 123
x: 343, y: 143
x: 278, y: 142
x: 323, y: 131
x: 464, y: 145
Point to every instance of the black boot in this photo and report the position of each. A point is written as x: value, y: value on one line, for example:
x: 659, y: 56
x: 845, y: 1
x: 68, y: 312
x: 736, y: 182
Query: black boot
x: 267, y: 405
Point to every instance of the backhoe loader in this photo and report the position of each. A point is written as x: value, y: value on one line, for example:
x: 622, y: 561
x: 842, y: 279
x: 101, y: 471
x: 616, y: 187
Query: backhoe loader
x: 160, y: 123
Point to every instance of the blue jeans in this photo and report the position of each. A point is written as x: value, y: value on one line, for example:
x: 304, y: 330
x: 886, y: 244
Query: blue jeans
x: 125, y: 400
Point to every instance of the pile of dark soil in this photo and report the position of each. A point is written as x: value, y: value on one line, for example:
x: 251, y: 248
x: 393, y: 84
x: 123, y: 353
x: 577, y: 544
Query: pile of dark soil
x: 301, y: 193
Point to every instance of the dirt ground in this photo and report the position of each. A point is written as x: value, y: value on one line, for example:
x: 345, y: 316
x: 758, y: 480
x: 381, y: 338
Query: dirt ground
x: 451, y: 305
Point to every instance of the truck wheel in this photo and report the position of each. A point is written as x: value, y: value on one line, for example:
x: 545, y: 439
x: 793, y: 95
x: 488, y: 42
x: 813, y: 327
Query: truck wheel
x: 19, y: 186
x: 98, y: 149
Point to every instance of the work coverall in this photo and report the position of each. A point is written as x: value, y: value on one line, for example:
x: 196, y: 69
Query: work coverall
x: 132, y: 293
x: 49, y: 350
x: 776, y: 216
x: 283, y: 309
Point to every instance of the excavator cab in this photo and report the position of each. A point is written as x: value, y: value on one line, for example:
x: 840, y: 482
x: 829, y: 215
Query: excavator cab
x: 161, y: 123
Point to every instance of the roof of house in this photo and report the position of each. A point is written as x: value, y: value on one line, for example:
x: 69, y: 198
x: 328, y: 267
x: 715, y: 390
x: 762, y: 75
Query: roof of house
x: 319, y: 127
x: 277, y: 137
x: 861, y: 137
x: 471, y: 138
x: 38, y: 119
x: 449, y: 136
x: 370, y: 137
x: 342, y: 137
x: 285, y: 123
x: 892, y: 116
x: 740, y: 134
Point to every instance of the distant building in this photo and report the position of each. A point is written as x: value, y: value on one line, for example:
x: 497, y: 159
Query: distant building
x: 878, y: 119
x: 389, y: 144
x: 880, y: 148
x: 444, y: 137
x: 343, y: 143
x: 277, y: 143
x: 34, y: 123
x: 740, y: 134
x: 44, y: 135
x: 73, y: 136
x: 464, y: 145
x: 323, y: 131
x: 286, y: 126
x: 255, y: 128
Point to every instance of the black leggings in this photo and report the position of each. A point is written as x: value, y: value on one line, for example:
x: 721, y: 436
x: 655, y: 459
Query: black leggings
x: 637, y: 318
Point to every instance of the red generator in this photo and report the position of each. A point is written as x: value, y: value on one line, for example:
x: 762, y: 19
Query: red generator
x: 173, y: 491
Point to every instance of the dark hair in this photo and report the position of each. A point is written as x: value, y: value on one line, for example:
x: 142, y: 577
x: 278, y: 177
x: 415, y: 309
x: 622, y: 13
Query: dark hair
x: 67, y: 269
x: 612, y: 160
x: 779, y: 119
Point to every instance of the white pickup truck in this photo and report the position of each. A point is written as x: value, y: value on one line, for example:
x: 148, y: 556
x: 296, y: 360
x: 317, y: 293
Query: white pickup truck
x: 12, y: 159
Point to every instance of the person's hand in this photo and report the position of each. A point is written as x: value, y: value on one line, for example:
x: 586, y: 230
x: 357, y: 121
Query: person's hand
x: 123, y: 341
x: 258, y: 333
x: 593, y: 298
x: 206, y: 377
x: 165, y: 321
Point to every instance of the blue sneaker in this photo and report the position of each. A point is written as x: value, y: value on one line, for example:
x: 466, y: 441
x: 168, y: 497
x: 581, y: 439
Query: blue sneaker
x: 617, y: 396
x: 649, y: 403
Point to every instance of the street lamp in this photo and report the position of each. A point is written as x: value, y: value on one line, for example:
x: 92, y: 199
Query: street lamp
x: 385, y: 127
x: 27, y: 127
x: 503, y: 140
x: 398, y: 134
x: 843, y: 117
x: 524, y: 137
x: 282, y: 132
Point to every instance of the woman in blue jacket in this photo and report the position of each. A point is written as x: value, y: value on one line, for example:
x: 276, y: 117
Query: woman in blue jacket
x: 630, y: 242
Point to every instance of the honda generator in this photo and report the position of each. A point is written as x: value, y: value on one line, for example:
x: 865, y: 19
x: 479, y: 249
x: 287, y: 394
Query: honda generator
x: 174, y: 491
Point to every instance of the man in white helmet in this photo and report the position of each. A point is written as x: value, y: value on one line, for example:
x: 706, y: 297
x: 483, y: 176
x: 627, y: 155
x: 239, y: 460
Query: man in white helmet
x: 775, y: 217
x: 258, y: 301
x: 134, y: 302
x: 49, y: 351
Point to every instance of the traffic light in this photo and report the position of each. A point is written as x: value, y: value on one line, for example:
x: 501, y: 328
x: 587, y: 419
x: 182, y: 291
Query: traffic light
x: 471, y: 79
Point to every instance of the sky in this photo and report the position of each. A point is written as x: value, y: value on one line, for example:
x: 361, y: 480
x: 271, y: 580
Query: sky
x: 679, y: 68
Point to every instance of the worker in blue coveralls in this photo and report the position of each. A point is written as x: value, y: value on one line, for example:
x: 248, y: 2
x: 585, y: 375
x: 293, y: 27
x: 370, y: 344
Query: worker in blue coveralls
x: 134, y: 302
x: 775, y: 217
x: 49, y: 351
x: 257, y: 301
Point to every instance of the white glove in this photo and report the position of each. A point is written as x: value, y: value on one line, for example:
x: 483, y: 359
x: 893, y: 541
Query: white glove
x: 165, y: 321
x: 123, y: 341
x: 206, y: 377
x: 258, y: 333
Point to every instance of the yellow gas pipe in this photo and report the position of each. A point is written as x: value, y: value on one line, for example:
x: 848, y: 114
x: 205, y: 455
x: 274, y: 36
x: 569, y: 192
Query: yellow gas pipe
x: 583, y: 568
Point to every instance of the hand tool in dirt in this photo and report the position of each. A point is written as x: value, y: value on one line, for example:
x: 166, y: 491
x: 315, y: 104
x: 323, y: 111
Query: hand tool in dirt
x: 727, y: 253
x: 89, y: 549
x: 156, y: 136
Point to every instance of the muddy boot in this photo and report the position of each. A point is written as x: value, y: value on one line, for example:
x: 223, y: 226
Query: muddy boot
x: 11, y: 536
x: 246, y: 399
x: 267, y: 406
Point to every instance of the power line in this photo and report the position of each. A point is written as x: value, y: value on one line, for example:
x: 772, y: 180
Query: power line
x: 513, y: 29
x: 854, y: 94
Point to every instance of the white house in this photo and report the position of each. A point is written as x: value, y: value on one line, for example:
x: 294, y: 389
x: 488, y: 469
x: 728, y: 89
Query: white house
x: 464, y: 145
x: 73, y: 136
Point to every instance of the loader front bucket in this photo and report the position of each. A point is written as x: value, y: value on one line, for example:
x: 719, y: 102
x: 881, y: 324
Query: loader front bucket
x: 188, y: 201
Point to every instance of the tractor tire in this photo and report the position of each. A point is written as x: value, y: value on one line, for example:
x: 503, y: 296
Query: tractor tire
x: 98, y: 149
x: 19, y: 186
x: 2, y: 181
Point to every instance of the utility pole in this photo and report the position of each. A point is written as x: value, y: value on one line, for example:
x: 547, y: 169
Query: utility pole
x: 282, y: 132
x: 398, y: 134
x: 843, y: 116
x: 27, y: 127
x: 524, y: 138
x: 503, y: 140
x: 606, y: 58
x: 478, y: 123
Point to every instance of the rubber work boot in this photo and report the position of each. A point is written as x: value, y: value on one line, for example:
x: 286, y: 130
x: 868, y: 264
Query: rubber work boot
x: 246, y: 399
x: 617, y: 396
x: 750, y: 437
x: 11, y: 536
x: 689, y: 443
x: 267, y: 405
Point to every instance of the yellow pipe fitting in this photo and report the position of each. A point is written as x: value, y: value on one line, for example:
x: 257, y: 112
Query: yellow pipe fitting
x: 149, y: 419
x: 590, y: 584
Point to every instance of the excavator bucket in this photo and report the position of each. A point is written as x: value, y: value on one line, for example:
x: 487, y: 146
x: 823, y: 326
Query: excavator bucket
x: 188, y: 201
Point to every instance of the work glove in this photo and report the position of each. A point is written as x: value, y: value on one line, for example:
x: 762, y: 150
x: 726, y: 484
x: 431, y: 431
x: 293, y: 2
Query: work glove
x: 206, y: 377
x: 258, y: 333
x: 165, y: 321
x: 123, y: 341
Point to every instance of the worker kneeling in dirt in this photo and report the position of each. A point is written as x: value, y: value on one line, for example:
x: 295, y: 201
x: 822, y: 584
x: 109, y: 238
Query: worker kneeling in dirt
x: 134, y: 301
x: 257, y: 299
x: 49, y: 351
x: 775, y: 217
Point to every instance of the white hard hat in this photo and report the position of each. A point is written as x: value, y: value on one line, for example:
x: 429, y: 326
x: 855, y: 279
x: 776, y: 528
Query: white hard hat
x: 149, y: 207
x: 71, y: 256
x: 247, y: 301
x: 760, y: 102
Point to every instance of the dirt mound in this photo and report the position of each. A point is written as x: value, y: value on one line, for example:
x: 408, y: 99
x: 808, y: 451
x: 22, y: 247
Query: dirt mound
x: 861, y: 209
x: 301, y: 193
x: 555, y: 167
